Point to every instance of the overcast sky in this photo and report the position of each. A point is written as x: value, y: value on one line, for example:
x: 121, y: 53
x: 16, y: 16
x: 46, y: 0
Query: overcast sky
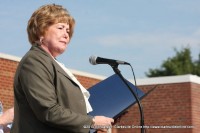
x: 141, y: 32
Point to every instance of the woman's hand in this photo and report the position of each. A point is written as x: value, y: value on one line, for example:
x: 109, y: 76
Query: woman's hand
x: 102, y: 123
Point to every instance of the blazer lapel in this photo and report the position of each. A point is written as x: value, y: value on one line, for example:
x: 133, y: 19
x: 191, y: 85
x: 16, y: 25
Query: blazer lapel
x: 60, y: 70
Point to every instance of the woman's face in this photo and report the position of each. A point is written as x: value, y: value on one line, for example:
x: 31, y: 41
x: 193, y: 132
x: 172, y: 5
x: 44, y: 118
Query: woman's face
x: 56, y: 39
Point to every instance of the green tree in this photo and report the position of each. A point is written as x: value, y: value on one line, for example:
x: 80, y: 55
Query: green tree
x: 197, y: 66
x: 181, y: 63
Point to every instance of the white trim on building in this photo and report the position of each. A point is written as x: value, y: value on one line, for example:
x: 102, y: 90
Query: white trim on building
x: 10, y: 57
x: 169, y: 80
x: 145, y: 81
x: 81, y: 73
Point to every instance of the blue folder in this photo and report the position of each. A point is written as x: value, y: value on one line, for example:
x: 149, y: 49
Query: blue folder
x: 111, y: 97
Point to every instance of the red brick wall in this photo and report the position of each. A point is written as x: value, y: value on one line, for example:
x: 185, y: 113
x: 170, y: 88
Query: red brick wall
x: 195, y: 94
x: 167, y: 105
x: 7, y: 71
x: 87, y: 82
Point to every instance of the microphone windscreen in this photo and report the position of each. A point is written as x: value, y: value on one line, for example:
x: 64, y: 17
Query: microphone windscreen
x: 92, y: 60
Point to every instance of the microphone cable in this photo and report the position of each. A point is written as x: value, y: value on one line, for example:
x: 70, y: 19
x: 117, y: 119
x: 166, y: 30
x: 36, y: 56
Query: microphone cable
x: 134, y: 78
x: 135, y: 82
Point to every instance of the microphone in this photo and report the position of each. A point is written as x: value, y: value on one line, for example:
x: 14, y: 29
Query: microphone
x: 99, y: 60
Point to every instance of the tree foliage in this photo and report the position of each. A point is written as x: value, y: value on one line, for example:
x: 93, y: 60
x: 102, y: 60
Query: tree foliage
x: 180, y: 64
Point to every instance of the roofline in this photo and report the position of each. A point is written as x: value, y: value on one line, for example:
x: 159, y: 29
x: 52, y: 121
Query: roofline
x: 10, y: 57
x: 169, y: 79
x: 81, y: 73
x: 145, y: 81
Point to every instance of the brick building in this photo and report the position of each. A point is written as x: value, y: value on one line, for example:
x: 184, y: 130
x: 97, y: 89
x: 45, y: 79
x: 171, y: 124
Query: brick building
x: 172, y: 107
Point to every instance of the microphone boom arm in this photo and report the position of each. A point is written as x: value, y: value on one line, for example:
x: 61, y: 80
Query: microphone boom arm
x: 117, y: 71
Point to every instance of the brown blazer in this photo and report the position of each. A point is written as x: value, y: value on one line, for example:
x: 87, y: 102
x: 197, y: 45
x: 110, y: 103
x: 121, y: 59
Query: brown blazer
x: 46, y: 99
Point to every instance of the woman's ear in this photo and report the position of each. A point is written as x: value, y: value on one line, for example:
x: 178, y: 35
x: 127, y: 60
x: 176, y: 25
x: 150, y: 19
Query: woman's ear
x: 41, y: 39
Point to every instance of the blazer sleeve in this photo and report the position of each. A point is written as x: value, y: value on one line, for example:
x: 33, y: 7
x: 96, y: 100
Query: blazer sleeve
x: 37, y: 80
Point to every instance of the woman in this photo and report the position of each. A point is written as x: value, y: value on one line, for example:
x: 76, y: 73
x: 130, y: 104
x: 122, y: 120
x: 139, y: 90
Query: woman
x: 47, y: 97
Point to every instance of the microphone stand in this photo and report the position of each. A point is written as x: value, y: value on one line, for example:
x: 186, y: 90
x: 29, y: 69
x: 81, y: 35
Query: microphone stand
x: 117, y: 71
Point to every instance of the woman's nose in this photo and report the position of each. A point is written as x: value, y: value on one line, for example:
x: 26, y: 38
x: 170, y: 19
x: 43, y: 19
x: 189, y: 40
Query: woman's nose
x: 65, y: 34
